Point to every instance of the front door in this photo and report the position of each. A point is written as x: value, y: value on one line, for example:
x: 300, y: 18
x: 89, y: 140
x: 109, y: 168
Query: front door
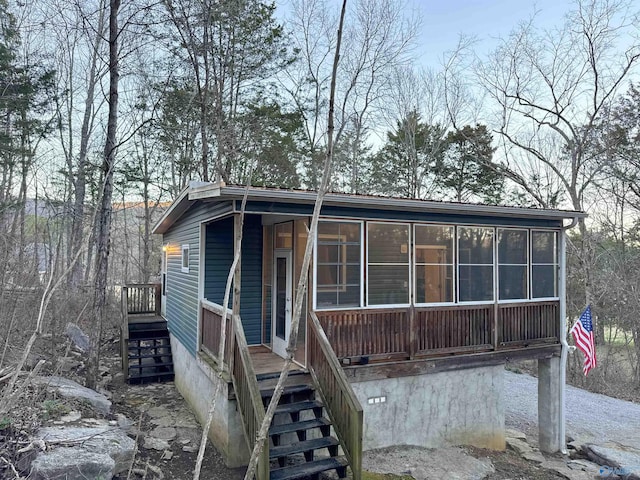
x: 282, y: 302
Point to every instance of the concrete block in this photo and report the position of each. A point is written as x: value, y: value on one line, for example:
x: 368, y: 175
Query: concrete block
x: 549, y: 405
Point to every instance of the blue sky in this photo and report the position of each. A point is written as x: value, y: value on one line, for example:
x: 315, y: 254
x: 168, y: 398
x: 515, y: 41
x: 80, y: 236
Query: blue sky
x: 444, y: 21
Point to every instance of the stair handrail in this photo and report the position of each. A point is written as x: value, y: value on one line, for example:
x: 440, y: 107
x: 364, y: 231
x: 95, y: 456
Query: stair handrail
x: 248, y: 396
x: 339, y: 399
x: 124, y: 332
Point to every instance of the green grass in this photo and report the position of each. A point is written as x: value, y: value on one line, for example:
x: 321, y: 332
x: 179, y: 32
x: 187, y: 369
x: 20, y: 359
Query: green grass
x: 613, y: 335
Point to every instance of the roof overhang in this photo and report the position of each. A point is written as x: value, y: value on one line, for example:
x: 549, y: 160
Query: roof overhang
x: 220, y: 191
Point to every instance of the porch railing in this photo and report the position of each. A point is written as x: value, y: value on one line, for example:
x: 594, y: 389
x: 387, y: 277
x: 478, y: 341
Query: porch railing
x: 141, y: 298
x: 238, y: 362
x: 340, y: 400
x: 387, y: 334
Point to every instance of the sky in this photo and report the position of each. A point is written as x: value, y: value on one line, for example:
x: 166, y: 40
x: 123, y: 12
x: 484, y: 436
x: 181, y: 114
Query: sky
x: 487, y: 20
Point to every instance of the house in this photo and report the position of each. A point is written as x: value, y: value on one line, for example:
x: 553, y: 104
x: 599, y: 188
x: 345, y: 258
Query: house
x: 413, y: 309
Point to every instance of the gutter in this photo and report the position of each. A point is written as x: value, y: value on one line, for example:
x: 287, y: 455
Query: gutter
x: 563, y: 339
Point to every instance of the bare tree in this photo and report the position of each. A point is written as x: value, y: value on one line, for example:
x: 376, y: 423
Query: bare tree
x: 550, y: 88
x: 377, y: 40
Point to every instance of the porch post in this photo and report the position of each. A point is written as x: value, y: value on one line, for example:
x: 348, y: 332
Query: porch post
x: 549, y: 411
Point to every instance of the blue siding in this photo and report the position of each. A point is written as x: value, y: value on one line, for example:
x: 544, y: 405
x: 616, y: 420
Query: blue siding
x: 399, y: 215
x: 182, y: 288
x: 219, y: 257
x: 251, y: 302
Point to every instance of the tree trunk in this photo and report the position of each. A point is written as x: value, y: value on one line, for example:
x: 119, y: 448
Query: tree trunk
x: 106, y: 208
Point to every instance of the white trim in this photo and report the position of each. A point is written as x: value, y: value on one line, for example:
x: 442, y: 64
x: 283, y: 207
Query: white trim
x: 279, y: 345
x: 556, y: 264
x: 201, y: 276
x: 414, y: 263
x: 185, y: 248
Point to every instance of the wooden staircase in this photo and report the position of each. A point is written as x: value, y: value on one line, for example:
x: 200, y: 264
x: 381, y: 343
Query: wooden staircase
x: 144, y: 337
x: 149, y: 353
x: 301, y: 444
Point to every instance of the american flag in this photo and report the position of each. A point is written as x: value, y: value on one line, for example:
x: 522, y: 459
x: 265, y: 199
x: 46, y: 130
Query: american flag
x: 583, y: 335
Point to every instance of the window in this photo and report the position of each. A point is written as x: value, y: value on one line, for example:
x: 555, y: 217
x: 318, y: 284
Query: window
x: 185, y: 258
x: 433, y: 263
x: 284, y: 235
x: 475, y: 264
x: 512, y: 264
x: 388, y: 263
x: 338, y: 265
x: 544, y: 264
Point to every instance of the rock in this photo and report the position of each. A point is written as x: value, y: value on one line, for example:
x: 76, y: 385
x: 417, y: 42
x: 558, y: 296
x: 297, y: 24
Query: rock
x: 167, y: 455
x: 164, y: 433
x: 510, y: 433
x: 72, y: 416
x: 615, y: 459
x: 158, y: 412
x: 123, y: 422
x: 108, y: 441
x: 561, y: 467
x: 523, y: 449
x: 70, y: 389
x: 153, y: 443
x: 72, y: 463
x: 190, y: 448
x: 78, y: 337
x: 163, y: 421
x: 427, y: 464
x: 66, y: 364
x: 156, y: 470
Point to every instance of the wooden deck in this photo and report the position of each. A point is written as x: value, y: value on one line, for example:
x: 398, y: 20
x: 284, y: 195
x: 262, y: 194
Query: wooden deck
x: 266, y: 362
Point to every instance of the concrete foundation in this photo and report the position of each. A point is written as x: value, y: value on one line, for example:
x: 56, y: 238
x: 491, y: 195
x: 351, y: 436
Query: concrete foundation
x: 549, y: 420
x: 197, y: 381
x: 463, y: 407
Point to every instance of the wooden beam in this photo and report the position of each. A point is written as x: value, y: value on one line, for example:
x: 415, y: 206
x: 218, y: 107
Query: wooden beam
x: 379, y: 371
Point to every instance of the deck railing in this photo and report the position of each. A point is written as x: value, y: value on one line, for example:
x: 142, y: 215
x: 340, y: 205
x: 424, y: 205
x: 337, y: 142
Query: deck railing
x: 396, y: 334
x: 521, y: 324
x: 142, y: 298
x: 238, y: 362
x: 341, y: 402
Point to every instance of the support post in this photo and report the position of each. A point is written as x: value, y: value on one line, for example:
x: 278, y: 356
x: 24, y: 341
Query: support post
x: 549, y: 411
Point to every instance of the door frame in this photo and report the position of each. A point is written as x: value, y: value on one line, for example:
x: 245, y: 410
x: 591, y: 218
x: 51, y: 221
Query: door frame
x: 278, y: 344
x: 163, y: 280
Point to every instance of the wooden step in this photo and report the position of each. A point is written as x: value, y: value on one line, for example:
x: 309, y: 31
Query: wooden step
x: 152, y: 365
x: 299, y: 426
x: 147, y: 347
x: 151, y: 375
x: 298, y: 406
x: 288, y: 390
x: 304, y: 446
x: 149, y: 355
x: 309, y: 469
x: 149, y: 339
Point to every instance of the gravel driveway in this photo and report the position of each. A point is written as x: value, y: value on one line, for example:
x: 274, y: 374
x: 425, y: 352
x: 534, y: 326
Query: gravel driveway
x: 590, y: 417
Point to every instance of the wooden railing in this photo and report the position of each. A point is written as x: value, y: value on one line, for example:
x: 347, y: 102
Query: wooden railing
x: 521, y: 324
x: 142, y: 298
x: 238, y: 361
x: 211, y: 328
x: 340, y: 401
x: 453, y: 330
x: 367, y: 332
x: 396, y: 334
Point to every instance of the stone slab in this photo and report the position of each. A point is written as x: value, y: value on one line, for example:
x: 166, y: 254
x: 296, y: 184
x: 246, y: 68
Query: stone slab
x: 72, y: 463
x: 70, y: 389
x: 109, y: 441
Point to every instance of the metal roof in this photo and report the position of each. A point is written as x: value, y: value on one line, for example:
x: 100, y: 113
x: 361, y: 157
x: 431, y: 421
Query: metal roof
x: 220, y: 191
